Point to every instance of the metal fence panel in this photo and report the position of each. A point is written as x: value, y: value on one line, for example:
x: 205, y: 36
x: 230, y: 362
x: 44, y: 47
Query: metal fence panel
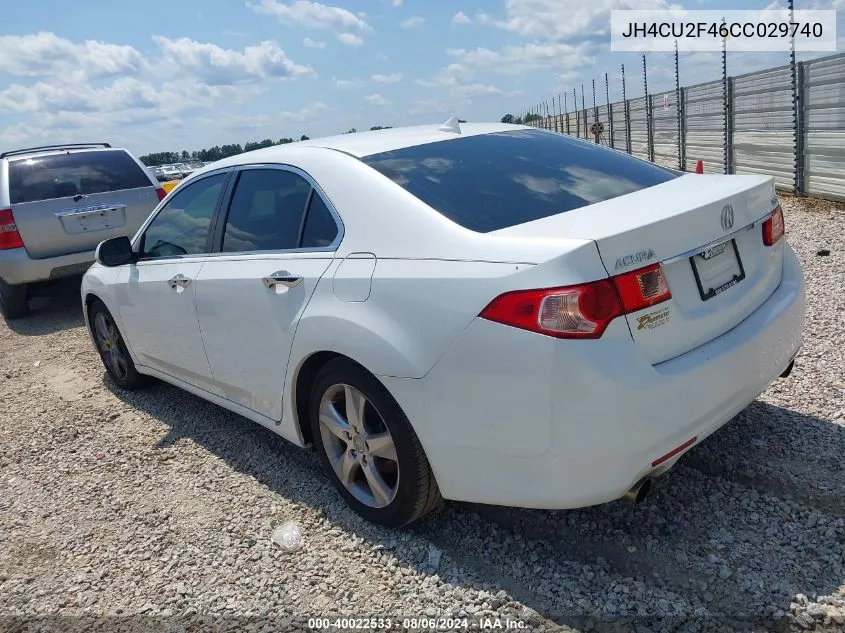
x: 639, y: 128
x: 704, y: 120
x: 764, y: 134
x: 664, y: 116
x: 824, y: 90
x: 619, y: 142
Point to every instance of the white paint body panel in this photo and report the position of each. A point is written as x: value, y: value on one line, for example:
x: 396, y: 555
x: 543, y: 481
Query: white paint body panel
x: 505, y: 416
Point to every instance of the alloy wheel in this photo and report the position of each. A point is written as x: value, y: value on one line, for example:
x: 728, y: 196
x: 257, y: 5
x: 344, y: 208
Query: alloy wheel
x: 109, y: 343
x: 359, y: 446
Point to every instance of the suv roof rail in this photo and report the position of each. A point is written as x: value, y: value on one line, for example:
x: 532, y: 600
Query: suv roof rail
x: 49, y: 148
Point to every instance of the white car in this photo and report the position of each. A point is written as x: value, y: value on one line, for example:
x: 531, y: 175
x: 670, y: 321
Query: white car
x: 485, y: 313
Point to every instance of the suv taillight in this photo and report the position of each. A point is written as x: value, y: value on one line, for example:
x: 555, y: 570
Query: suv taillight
x: 773, y: 227
x: 582, y: 311
x: 161, y: 193
x: 9, y: 236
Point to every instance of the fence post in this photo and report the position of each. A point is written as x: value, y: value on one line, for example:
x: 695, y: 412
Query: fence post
x: 800, y: 127
x: 648, y: 114
x: 679, y: 109
x: 682, y: 130
x: 609, y: 110
x: 729, y: 130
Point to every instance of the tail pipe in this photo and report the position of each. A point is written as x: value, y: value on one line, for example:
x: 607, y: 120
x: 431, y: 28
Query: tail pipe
x: 639, y: 491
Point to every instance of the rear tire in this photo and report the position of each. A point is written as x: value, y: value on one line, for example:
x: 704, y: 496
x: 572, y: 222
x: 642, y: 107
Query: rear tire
x: 388, y: 479
x: 112, y: 349
x: 14, y: 300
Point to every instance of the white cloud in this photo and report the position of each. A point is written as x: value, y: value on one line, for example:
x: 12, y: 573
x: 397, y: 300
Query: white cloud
x: 387, y: 79
x: 311, y: 14
x: 45, y: 54
x: 412, y: 23
x: 350, y: 39
x: 309, y: 43
x: 461, y: 18
x: 125, y: 93
x: 556, y: 20
x: 348, y: 84
x: 476, y: 90
x: 518, y: 59
x: 396, y: 3
x: 214, y: 65
x: 377, y: 100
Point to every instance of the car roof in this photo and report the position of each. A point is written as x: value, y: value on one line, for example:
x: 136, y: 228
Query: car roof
x: 36, y: 152
x: 361, y: 144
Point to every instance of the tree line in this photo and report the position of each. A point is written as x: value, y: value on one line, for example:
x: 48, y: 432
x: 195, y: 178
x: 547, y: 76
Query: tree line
x: 517, y: 120
x: 219, y: 152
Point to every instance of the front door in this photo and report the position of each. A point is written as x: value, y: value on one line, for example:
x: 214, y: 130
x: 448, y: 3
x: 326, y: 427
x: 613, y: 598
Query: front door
x: 278, y: 240
x: 156, y: 298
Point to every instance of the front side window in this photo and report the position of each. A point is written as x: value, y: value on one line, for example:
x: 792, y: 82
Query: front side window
x: 266, y: 212
x: 493, y: 181
x: 181, y: 227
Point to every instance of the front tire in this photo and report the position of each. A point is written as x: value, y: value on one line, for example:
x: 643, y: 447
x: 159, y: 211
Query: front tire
x: 14, y: 301
x: 112, y: 349
x: 368, y: 448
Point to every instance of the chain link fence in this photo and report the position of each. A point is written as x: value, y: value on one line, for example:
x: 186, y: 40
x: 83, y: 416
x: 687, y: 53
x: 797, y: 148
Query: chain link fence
x: 749, y: 124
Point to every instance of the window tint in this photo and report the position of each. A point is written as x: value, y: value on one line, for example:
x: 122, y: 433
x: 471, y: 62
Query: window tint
x: 493, y: 181
x: 320, y: 227
x: 266, y: 211
x: 78, y: 173
x: 181, y: 227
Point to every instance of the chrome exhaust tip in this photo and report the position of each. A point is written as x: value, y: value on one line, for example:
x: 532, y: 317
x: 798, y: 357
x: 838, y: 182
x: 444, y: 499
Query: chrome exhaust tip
x: 639, y: 491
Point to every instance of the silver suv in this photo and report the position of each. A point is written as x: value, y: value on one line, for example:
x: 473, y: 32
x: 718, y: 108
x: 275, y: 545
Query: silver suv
x: 56, y: 204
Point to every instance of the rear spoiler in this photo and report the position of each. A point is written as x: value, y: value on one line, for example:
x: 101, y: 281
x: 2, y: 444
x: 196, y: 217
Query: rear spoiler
x: 52, y: 148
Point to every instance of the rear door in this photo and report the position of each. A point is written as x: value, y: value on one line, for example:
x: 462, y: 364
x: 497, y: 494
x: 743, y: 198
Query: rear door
x: 69, y: 202
x: 278, y: 238
x: 156, y: 296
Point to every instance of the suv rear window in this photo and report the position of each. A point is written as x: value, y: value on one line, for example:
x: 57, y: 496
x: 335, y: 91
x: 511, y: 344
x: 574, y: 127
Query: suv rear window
x: 71, y: 174
x: 494, y: 181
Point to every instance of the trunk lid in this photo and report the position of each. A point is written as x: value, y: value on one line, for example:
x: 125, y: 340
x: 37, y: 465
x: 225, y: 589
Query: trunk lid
x: 69, y: 202
x: 673, y: 223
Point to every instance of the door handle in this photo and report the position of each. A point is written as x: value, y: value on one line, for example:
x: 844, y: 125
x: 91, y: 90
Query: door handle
x: 281, y: 278
x: 179, y: 281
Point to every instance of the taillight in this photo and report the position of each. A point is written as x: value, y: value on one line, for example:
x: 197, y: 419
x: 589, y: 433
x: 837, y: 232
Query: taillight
x: 9, y: 236
x: 582, y: 311
x: 642, y: 288
x: 773, y: 227
x: 161, y: 193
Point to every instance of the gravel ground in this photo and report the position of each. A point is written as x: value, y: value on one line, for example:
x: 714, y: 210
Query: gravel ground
x: 155, y: 510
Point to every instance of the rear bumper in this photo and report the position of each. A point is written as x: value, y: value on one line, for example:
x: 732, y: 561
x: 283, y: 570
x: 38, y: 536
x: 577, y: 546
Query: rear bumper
x: 16, y: 266
x: 497, y: 428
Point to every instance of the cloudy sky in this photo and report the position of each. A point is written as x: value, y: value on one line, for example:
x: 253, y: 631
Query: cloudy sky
x: 188, y: 74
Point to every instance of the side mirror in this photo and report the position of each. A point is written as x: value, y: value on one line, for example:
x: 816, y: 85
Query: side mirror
x: 115, y: 252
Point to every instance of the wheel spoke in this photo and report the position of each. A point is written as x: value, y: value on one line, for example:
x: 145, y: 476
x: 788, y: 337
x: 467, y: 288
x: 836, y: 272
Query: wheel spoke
x: 101, y: 328
x: 355, y: 403
x: 120, y: 366
x: 379, y: 487
x: 333, y: 422
x: 381, y: 445
x: 345, y: 466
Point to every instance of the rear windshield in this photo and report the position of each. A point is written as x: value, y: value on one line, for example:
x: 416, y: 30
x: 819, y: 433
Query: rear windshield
x: 78, y: 173
x: 494, y: 181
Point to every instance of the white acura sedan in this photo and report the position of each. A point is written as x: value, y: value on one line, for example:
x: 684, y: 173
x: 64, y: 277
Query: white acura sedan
x: 484, y: 313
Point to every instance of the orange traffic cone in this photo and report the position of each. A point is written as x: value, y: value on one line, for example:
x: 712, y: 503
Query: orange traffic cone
x: 699, y: 167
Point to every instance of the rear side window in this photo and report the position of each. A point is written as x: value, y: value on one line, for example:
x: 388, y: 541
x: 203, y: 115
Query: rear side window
x: 494, y: 181
x: 320, y: 228
x: 76, y: 173
x: 266, y: 211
